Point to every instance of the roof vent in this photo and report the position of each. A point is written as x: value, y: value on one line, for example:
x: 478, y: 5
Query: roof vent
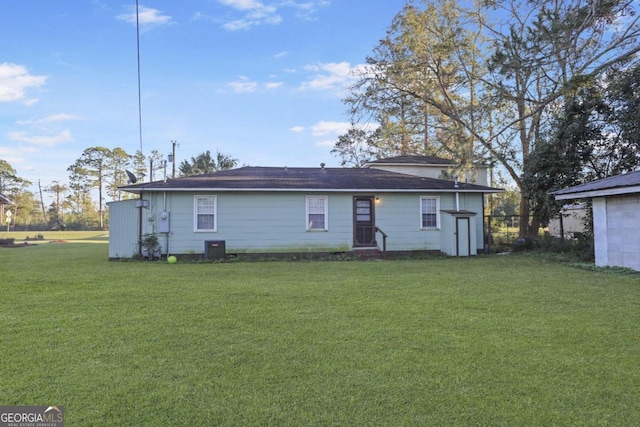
x: 322, y: 165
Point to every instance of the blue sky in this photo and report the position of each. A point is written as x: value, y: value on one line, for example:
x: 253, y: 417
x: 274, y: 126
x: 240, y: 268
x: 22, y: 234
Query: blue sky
x: 260, y: 80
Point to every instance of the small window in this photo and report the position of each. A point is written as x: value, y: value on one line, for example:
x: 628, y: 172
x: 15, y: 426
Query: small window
x: 205, y: 213
x: 429, y: 208
x: 317, y: 213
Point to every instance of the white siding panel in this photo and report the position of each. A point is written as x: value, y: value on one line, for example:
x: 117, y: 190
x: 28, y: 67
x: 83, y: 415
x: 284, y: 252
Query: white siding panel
x: 622, y: 235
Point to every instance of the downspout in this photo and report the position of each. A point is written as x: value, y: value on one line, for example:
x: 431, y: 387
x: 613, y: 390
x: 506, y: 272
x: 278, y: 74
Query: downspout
x: 455, y: 184
x: 140, y: 226
x: 164, y: 209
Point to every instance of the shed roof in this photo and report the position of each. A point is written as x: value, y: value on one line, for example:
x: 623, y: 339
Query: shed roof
x: 619, y: 184
x: 251, y: 178
x: 4, y: 200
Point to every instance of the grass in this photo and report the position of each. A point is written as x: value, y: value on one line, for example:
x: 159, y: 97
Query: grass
x: 500, y: 340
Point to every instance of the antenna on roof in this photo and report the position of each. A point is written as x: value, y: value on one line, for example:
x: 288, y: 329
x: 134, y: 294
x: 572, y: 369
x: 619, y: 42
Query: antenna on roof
x: 132, y: 177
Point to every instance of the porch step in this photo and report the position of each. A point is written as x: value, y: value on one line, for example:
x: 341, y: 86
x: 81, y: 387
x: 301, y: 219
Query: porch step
x: 368, y: 253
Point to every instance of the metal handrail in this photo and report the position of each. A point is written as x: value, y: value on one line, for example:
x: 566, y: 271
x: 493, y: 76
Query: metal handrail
x: 384, y: 239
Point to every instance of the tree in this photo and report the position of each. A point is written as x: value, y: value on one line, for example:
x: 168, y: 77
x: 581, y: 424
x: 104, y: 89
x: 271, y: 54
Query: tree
x: 203, y: 163
x: 90, y: 172
x: 57, y: 207
x: 495, y: 85
x: 595, y: 136
x: 118, y: 162
x: 24, y: 208
x: 422, y: 73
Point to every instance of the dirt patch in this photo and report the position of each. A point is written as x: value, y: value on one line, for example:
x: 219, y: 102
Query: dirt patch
x: 58, y: 241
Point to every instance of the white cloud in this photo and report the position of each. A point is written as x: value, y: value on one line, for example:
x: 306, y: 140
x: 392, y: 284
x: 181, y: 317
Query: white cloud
x: 260, y: 13
x: 14, y: 80
x: 255, y: 13
x: 243, y: 85
x: 323, y: 128
x: 280, y: 55
x: 273, y: 85
x: 41, y: 140
x: 329, y: 76
x: 297, y: 129
x: 60, y: 117
x: 147, y: 16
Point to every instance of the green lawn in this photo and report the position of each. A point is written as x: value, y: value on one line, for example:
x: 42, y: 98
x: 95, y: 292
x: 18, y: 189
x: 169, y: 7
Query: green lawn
x: 500, y: 340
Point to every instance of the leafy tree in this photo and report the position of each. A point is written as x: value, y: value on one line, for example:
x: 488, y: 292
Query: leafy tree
x: 423, y: 78
x: 203, y: 163
x: 90, y: 172
x: 24, y: 208
x: 491, y: 87
x: 595, y: 136
x: 118, y: 162
x: 56, y: 211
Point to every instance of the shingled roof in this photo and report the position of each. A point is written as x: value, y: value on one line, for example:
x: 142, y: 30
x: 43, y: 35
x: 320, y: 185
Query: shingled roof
x: 619, y: 184
x: 413, y: 160
x: 251, y: 178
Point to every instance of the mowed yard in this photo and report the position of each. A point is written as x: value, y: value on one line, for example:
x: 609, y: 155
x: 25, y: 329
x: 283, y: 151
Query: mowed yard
x: 491, y: 340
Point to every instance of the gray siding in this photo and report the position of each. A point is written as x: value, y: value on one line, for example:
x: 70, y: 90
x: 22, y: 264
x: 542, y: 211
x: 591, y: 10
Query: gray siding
x: 123, y: 229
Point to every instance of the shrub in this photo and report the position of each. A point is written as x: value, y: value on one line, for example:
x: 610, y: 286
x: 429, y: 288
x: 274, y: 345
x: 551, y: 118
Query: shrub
x: 6, y: 242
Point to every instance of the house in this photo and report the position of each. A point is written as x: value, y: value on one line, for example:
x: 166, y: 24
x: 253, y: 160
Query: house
x: 430, y: 167
x: 296, y: 210
x: 616, y: 215
x: 570, y: 221
x: 4, y: 200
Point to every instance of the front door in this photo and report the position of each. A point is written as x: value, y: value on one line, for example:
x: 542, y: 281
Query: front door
x: 364, y: 226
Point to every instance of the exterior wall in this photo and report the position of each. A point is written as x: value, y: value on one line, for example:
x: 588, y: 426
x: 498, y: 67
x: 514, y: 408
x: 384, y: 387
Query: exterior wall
x: 449, y: 238
x: 123, y: 229
x: 572, y: 222
x: 276, y: 222
x: 622, y: 236
x: 600, y: 232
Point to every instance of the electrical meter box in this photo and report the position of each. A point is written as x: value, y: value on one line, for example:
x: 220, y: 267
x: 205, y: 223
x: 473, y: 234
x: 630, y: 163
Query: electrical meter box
x: 163, y: 222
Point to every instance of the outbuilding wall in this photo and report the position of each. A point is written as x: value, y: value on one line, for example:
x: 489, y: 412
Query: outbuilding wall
x: 616, y: 232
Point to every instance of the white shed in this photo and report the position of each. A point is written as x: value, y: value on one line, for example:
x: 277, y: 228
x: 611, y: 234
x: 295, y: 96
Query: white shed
x: 616, y: 218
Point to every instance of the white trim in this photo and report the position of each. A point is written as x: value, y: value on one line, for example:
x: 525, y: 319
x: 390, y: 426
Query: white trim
x: 437, y: 198
x: 195, y: 214
x: 326, y: 213
x: 599, y: 193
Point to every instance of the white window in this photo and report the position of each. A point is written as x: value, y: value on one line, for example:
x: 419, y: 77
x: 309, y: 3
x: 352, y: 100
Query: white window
x: 317, y: 213
x: 205, y: 215
x: 429, y: 212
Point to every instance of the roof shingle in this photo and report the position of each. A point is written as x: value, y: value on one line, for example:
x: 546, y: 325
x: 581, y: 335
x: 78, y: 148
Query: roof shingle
x: 278, y: 178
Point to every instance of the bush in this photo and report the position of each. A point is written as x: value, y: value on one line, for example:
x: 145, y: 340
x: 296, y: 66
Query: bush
x: 6, y: 242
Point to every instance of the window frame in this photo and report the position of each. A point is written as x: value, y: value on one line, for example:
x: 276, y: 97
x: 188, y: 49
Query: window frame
x: 196, y: 213
x: 325, y: 213
x: 437, y: 213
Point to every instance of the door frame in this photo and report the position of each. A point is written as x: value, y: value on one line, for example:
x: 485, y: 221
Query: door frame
x: 372, y: 202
